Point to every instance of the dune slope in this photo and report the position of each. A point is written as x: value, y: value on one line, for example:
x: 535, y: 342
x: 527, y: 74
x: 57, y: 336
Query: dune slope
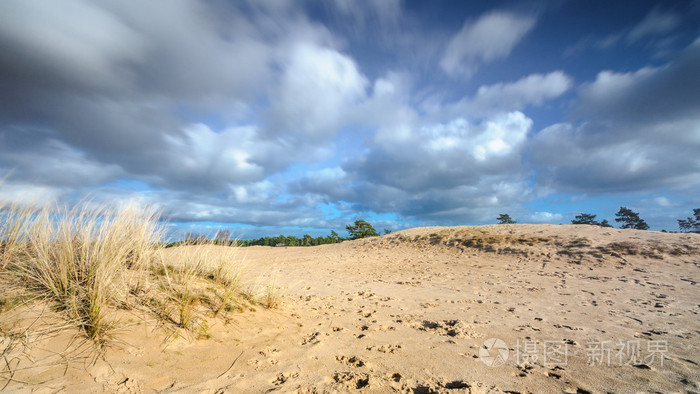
x: 506, y: 308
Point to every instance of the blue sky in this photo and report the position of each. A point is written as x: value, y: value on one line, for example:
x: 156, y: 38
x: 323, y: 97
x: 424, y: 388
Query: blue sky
x: 273, y: 116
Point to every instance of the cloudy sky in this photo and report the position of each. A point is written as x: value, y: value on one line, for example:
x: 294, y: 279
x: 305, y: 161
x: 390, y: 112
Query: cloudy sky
x: 295, y: 117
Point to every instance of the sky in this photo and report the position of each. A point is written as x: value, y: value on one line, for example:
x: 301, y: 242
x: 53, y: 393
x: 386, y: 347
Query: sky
x: 273, y: 116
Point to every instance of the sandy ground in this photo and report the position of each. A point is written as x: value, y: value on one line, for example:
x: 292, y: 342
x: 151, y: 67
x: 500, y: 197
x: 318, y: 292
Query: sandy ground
x: 506, y: 308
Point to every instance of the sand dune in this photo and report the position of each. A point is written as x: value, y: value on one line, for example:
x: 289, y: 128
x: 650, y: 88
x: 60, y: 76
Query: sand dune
x: 578, y: 308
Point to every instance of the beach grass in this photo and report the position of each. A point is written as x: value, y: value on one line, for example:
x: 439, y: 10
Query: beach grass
x: 90, y: 259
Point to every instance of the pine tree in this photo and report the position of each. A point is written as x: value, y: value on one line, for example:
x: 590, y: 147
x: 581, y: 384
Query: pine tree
x: 585, y: 218
x: 690, y: 224
x: 504, y: 218
x: 630, y: 219
x: 361, y: 229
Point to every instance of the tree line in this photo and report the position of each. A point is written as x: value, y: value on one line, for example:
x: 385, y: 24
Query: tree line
x: 627, y: 217
x: 690, y: 223
x: 290, y: 240
x: 360, y: 229
x: 363, y: 229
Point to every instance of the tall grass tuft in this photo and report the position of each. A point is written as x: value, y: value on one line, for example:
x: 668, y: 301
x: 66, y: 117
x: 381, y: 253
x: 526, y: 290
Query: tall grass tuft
x: 92, y: 258
x: 182, y: 283
x: 15, y: 219
x: 228, y: 272
x: 83, y: 258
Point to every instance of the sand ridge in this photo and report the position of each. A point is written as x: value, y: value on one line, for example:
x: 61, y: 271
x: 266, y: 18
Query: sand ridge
x: 411, y: 311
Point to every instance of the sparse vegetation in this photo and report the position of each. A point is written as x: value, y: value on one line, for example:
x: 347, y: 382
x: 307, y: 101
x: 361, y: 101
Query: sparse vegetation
x: 482, y: 241
x: 83, y: 259
x: 90, y: 260
x: 272, y: 296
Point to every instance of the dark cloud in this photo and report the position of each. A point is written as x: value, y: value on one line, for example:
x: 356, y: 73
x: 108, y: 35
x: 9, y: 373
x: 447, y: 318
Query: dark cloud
x: 116, y: 85
x: 569, y: 159
x: 640, y: 132
x: 265, y: 112
x: 647, y: 95
x: 439, y: 173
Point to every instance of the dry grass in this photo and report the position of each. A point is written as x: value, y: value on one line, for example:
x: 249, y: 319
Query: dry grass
x: 83, y: 258
x: 480, y: 240
x: 13, y: 235
x: 89, y: 260
x: 201, y: 275
x: 228, y: 273
x: 82, y: 264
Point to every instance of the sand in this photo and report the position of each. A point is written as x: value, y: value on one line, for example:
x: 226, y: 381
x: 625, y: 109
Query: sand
x: 504, y: 308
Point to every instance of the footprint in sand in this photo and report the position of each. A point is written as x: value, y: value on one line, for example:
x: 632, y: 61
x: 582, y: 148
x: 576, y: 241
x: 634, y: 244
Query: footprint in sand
x: 385, y: 348
x: 353, y: 361
x: 284, y: 377
x: 311, y: 339
x: 260, y: 364
x: 351, y: 379
x: 523, y: 371
x: 450, y: 328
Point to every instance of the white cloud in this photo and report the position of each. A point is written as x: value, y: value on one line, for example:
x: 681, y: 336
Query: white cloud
x: 610, y: 87
x: 501, y: 136
x: 16, y: 192
x: 545, y: 217
x: 317, y: 89
x: 655, y: 22
x: 203, y: 156
x: 497, y: 136
x: 491, y: 37
x: 53, y: 162
x: 663, y: 201
x: 325, y: 185
x: 532, y: 90
x: 456, y: 158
